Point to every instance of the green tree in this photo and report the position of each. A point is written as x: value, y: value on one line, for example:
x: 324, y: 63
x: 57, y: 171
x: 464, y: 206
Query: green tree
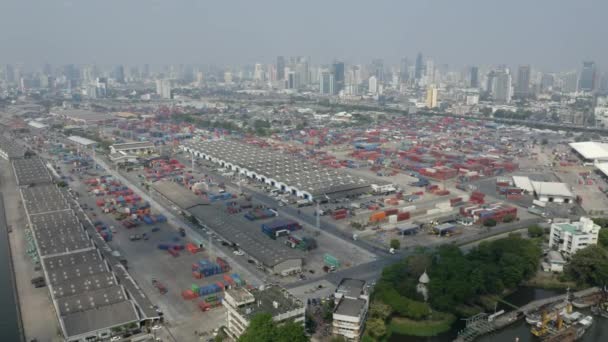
x: 508, y: 218
x: 380, y: 310
x: 290, y: 332
x: 376, y: 327
x: 395, y: 244
x: 489, y: 222
x: 535, y: 231
x: 603, y: 237
x: 261, y: 328
x: 589, y: 266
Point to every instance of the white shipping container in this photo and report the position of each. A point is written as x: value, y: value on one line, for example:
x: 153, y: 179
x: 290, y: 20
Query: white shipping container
x: 392, y: 219
x: 433, y: 211
x: 443, y: 205
x: 408, y: 208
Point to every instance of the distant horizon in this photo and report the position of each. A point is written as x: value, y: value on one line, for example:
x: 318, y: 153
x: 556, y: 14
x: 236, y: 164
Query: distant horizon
x: 548, y: 35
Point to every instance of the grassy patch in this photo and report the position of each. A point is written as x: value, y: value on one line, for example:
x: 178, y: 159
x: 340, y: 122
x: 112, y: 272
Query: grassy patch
x: 441, y: 323
x: 549, y: 281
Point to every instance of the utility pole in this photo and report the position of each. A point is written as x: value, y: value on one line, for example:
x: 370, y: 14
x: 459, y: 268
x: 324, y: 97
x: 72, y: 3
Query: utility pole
x: 318, y: 215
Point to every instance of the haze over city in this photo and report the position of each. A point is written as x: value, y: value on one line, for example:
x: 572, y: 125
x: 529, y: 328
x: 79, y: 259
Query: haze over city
x: 313, y: 171
x: 549, y: 34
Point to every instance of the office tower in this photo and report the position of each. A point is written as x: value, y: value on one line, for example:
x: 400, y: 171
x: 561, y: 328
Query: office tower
x: 280, y: 68
x: 293, y: 80
x: 101, y: 87
x: 429, y: 72
x: 146, y: 72
x: 568, y: 82
x: 163, y: 88
x: 501, y: 87
x: 587, y: 81
x: 372, y: 85
x: 419, y: 67
x: 326, y: 83
x: 474, y: 77
x: 431, y: 96
x: 258, y: 73
x: 91, y: 91
x: 72, y: 75
x: 119, y: 74
x: 227, y: 77
x: 378, y: 69
x: 546, y: 82
x: 47, y: 69
x: 404, y: 74
x: 9, y: 73
x: 522, y: 89
x: 87, y: 74
x: 338, y: 72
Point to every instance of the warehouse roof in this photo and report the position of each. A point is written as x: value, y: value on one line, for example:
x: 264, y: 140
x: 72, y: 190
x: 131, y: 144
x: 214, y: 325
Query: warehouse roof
x: 81, y: 140
x: 291, y: 171
x: 552, y: 189
x: 11, y: 148
x: 246, y: 234
x: 31, y: 171
x: 58, y: 232
x: 350, y: 307
x: 106, y: 316
x: 132, y: 145
x: 591, y: 150
x: 85, y: 115
x: 603, y: 167
x: 179, y: 195
x: 43, y: 198
x: 523, y: 182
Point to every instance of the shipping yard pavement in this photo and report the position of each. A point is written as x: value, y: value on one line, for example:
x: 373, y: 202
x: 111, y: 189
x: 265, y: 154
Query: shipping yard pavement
x: 37, y: 312
x: 347, y: 252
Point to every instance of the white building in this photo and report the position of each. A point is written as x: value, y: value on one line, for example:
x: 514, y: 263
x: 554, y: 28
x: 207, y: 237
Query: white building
x: 139, y: 148
x: 568, y: 238
x: 352, y: 302
x: 373, y: 85
x: 163, y: 88
x: 242, y: 305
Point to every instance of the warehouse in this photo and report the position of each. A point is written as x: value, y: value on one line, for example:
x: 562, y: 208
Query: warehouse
x: 31, y: 171
x: 83, y: 116
x: 81, y: 141
x: 296, y: 176
x: 553, y: 192
x: 591, y: 151
x: 89, y: 301
x: 9, y: 149
x: 130, y: 148
x: 177, y: 195
x: 274, y: 256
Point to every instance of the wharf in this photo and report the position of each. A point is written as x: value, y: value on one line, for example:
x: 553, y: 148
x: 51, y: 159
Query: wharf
x: 479, y: 325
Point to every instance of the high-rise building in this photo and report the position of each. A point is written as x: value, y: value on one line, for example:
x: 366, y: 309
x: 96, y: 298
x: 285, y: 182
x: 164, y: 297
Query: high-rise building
x: 326, y: 83
x: 546, y: 82
x: 568, y: 82
x: 404, y: 74
x: 258, y: 73
x: 378, y: 69
x: 102, y: 87
x: 163, y: 88
x: 429, y: 72
x: 587, y: 80
x: 431, y: 96
x: 502, y: 87
x: 280, y: 68
x: 119, y: 74
x: 338, y: 72
x: 372, y: 85
x: 474, y: 77
x: 419, y: 67
x: 522, y: 89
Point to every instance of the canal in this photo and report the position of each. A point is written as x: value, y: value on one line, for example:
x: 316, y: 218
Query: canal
x: 521, y: 330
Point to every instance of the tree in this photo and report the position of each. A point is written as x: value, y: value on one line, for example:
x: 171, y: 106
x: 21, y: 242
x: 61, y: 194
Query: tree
x: 535, y: 231
x: 376, y: 327
x: 489, y: 222
x: 395, y: 244
x: 262, y: 329
x: 380, y: 310
x: 589, y: 266
x: 603, y: 237
x: 508, y: 218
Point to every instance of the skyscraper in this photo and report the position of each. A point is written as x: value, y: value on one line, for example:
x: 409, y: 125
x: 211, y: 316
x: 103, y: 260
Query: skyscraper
x: 372, y: 85
x: 163, y: 88
x: 404, y: 74
x: 522, y: 89
x: 546, y: 82
x: 119, y: 74
x: 280, y: 68
x: 338, y: 72
x: 378, y: 69
x: 326, y: 83
x: 474, y: 77
x: 501, y: 87
x: 587, y: 80
x: 419, y: 67
x: 431, y: 96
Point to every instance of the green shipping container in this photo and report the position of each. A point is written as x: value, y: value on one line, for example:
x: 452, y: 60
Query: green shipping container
x: 330, y: 260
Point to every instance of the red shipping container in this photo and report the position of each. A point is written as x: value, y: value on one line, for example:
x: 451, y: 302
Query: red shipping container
x: 391, y: 212
x: 197, y: 275
x: 403, y: 216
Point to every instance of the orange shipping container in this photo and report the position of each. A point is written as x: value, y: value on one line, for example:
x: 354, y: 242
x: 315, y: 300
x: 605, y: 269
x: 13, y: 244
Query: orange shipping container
x: 379, y: 216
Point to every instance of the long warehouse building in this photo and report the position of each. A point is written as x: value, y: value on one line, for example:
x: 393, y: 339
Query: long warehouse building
x: 93, y: 296
x: 297, y: 176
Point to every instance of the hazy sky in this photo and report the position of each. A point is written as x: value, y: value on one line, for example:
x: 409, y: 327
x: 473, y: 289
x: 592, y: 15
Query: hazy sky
x: 552, y: 34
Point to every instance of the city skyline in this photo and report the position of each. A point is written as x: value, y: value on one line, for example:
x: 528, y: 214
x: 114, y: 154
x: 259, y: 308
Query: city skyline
x: 190, y: 32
